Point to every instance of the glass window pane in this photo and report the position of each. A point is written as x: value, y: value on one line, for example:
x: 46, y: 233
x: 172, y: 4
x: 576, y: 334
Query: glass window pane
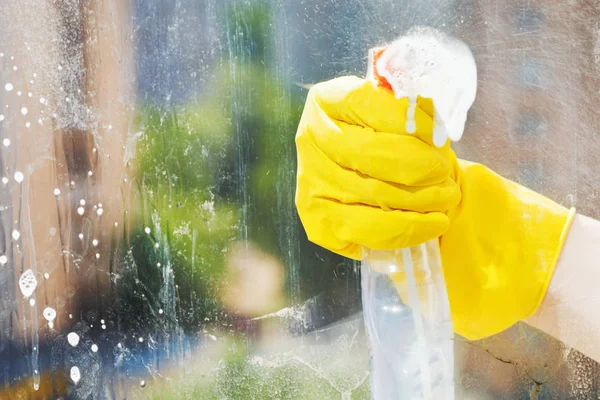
x: 149, y: 241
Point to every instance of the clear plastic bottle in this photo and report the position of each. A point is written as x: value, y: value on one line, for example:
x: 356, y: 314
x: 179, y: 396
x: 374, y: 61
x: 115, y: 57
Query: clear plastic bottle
x: 407, y: 316
x: 404, y: 296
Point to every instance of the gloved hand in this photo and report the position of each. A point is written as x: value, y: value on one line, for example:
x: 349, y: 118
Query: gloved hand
x: 363, y: 182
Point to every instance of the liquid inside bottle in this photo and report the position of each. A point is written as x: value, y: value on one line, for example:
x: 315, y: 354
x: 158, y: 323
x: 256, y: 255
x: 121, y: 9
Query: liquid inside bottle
x: 407, y: 316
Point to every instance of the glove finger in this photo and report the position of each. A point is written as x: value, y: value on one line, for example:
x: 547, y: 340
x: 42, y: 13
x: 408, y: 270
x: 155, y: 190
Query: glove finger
x: 318, y: 176
x: 346, y: 228
x: 358, y: 101
x: 385, y: 156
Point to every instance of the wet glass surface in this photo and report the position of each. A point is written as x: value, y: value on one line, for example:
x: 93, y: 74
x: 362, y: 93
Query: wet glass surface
x: 149, y: 243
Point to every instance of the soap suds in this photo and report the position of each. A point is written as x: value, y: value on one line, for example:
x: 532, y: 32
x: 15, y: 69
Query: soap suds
x: 431, y: 64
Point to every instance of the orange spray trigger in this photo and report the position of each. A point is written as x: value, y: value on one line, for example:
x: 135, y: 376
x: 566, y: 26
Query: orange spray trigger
x: 374, y: 55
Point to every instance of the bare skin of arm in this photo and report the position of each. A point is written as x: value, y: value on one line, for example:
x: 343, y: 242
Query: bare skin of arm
x: 571, y: 309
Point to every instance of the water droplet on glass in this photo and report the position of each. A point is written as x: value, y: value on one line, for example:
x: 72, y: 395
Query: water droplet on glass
x: 15, y: 68
x: 24, y: 110
x: 100, y: 211
x: 158, y: 264
x: 1, y: 117
x: 95, y: 242
x: 80, y: 210
x: 119, y: 345
x: 29, y: 94
x: 90, y: 173
x: 19, y: 93
x: 102, y: 321
x: 143, y: 383
x: 75, y: 374
x: 49, y: 314
x: 81, y: 236
x: 60, y: 67
x: 3, y: 259
x: 46, y: 276
x: 160, y: 311
x: 82, y: 202
x: 19, y: 176
x: 156, y: 245
x: 116, y: 224
x: 70, y: 316
x: 6, y: 142
x: 4, y: 180
x: 56, y: 191
x: 16, y: 234
x: 27, y: 124
x: 95, y: 348
x: 32, y: 302
x: 141, y: 340
x: 73, y: 339
x: 147, y: 230
x: 42, y: 100
x: 97, y: 256
x: 9, y: 87
x: 103, y: 326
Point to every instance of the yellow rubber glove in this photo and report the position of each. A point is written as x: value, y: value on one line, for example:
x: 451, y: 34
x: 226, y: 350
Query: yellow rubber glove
x: 353, y: 187
x: 364, y: 182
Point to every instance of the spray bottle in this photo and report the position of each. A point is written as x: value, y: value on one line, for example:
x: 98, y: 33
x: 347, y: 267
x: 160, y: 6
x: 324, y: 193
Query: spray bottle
x: 405, y: 302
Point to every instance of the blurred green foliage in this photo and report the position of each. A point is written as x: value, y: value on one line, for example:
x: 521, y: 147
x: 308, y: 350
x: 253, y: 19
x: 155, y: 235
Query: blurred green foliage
x: 240, y: 376
x: 218, y: 169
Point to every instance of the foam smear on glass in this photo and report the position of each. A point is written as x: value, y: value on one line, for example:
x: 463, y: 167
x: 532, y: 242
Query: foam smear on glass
x: 428, y: 63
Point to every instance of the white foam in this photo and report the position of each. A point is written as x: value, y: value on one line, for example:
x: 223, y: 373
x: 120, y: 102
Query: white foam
x: 49, y: 314
x: 73, y: 339
x: 431, y: 64
x: 27, y: 283
x: 75, y: 374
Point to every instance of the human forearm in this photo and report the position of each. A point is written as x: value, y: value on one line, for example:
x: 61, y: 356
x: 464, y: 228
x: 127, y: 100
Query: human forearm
x: 570, y: 309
